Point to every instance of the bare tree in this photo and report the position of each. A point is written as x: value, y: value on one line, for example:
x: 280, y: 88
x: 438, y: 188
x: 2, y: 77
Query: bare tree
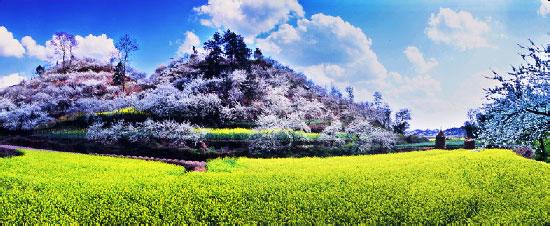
x: 63, y: 44
x: 125, y: 46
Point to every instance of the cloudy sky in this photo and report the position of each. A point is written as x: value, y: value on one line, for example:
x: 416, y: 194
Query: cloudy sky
x: 427, y: 55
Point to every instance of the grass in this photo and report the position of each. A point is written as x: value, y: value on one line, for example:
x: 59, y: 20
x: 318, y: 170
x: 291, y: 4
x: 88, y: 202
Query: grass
x: 243, y: 134
x: 210, y: 133
x: 122, y: 111
x: 449, y: 143
x: 422, y: 187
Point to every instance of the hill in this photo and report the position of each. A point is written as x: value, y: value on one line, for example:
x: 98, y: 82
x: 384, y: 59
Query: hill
x: 450, y: 132
x: 218, y: 86
x: 491, y: 186
x: 222, y: 85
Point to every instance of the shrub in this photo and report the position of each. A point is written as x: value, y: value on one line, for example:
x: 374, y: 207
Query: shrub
x: 9, y: 152
x: 369, y: 138
x: 330, y: 135
x: 168, y: 131
x: 411, y: 139
x: 274, y: 140
x: 26, y: 117
x: 524, y: 151
x: 275, y: 134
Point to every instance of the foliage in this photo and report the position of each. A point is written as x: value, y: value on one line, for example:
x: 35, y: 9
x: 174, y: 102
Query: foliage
x: 401, y: 124
x: 271, y: 141
x: 175, y: 134
x: 331, y: 135
x: 118, y: 75
x: 415, y: 139
x: 121, y: 111
x: 524, y: 151
x: 518, y: 108
x: 471, y: 129
x: 368, y: 137
x: 433, y: 187
x: 26, y: 117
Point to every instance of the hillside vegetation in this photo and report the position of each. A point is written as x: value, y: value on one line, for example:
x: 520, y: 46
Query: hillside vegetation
x: 224, y: 85
x: 423, y: 187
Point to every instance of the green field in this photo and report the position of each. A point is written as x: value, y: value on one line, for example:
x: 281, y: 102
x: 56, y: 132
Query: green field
x: 432, y: 186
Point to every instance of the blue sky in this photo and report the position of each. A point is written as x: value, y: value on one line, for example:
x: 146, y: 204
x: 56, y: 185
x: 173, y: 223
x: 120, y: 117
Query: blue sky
x: 427, y: 55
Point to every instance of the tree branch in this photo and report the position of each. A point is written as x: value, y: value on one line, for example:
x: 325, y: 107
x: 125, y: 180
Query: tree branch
x: 538, y: 112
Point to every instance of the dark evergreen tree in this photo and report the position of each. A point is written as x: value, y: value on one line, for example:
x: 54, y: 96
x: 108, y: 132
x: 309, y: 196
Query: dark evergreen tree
x: 471, y: 129
x: 40, y: 70
x: 236, y: 51
x: 351, y: 95
x: 118, y: 75
x: 258, y: 55
x: 212, y: 65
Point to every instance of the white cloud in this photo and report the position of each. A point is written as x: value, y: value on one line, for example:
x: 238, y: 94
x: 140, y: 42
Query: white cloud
x: 191, y: 39
x: 10, y: 80
x: 421, y: 65
x: 458, y: 28
x: 9, y: 46
x: 544, y: 9
x: 324, y: 73
x: 34, y: 49
x: 324, y: 40
x: 249, y: 17
x: 99, y: 47
x: 330, y: 50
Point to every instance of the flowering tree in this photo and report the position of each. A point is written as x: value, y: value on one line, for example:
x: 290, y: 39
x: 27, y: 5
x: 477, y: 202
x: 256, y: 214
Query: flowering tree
x: 369, y: 138
x: 26, y: 117
x: 173, y: 133
x: 330, y: 134
x: 518, y: 108
x: 276, y: 134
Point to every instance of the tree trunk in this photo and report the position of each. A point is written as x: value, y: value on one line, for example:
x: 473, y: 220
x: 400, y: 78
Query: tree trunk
x: 124, y: 78
x: 63, y: 61
x: 543, y: 148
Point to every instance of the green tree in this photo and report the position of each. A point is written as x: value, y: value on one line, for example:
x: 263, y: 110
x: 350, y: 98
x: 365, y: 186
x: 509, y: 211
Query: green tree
x: 236, y: 51
x: 213, y: 61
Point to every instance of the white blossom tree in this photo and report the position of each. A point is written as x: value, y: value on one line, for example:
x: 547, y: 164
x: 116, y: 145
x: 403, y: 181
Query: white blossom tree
x: 370, y: 138
x: 518, y: 108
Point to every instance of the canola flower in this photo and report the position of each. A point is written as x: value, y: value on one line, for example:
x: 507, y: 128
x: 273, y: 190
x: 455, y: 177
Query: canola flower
x: 490, y: 186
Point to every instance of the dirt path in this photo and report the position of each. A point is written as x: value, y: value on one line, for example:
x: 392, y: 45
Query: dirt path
x: 19, y: 147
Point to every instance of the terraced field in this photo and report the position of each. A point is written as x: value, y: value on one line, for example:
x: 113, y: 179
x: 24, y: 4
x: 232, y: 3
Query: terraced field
x: 422, y: 187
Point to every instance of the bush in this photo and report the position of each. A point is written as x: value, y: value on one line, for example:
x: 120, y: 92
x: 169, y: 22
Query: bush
x: 171, y: 132
x: 368, y: 138
x: 330, y: 135
x: 26, y: 117
x: 274, y: 140
x: 411, y: 139
x: 9, y: 152
x: 524, y: 151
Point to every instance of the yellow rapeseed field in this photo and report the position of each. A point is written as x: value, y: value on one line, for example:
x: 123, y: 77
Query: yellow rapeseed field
x: 491, y: 186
